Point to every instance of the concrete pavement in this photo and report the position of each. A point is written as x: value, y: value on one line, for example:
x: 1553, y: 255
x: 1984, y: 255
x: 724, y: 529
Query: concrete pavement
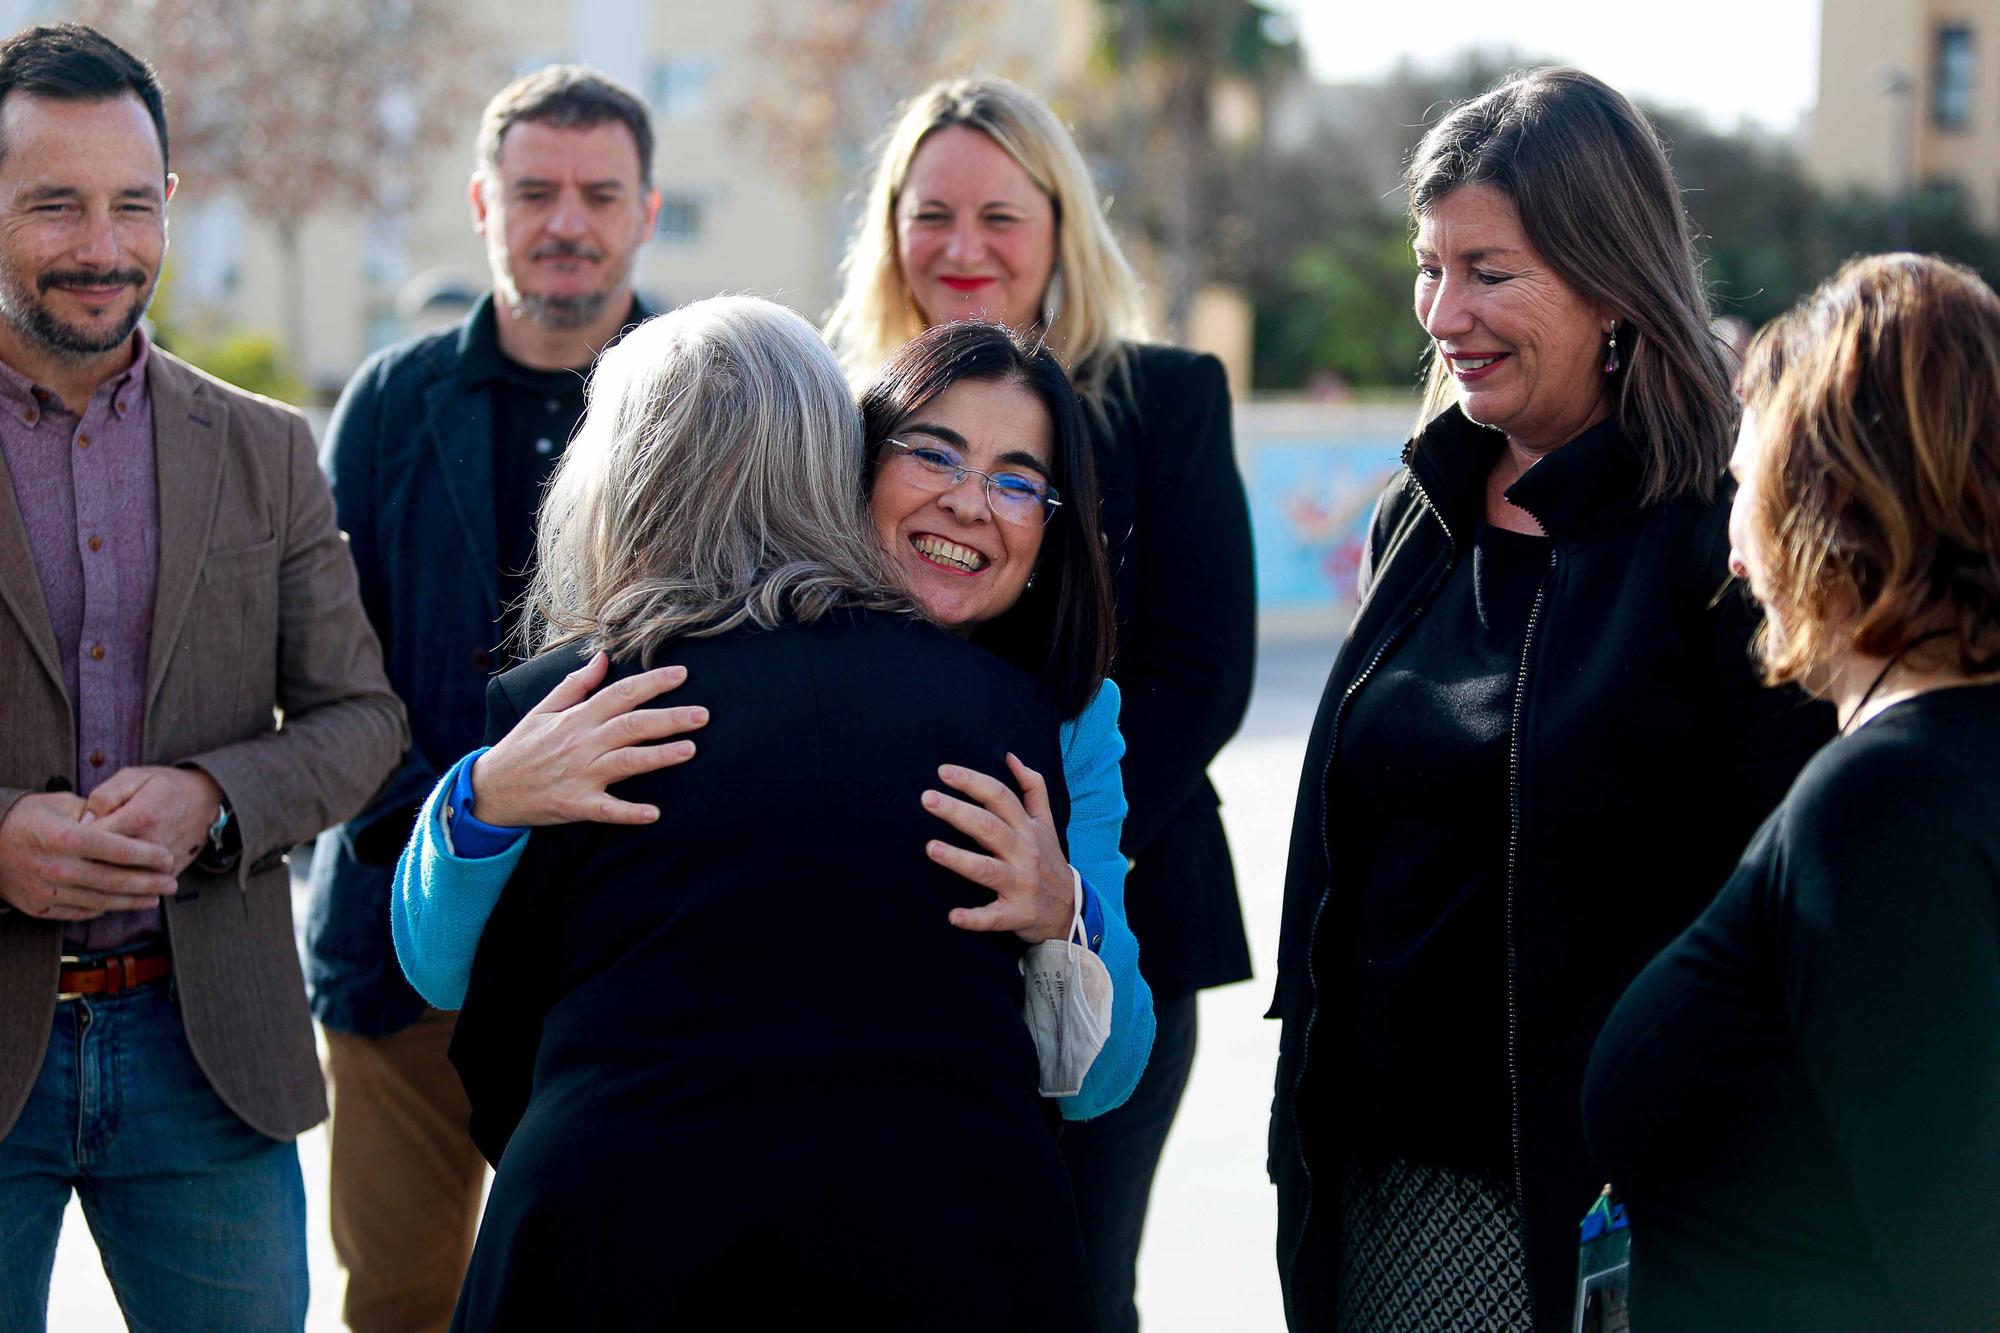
x: 1207, y: 1263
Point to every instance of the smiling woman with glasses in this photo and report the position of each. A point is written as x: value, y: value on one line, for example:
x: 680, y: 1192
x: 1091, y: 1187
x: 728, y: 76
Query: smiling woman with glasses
x: 760, y: 984
x: 1004, y: 562
x: 1014, y: 497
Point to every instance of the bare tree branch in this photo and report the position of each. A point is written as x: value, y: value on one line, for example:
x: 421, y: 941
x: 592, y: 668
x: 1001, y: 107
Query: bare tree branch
x: 307, y: 107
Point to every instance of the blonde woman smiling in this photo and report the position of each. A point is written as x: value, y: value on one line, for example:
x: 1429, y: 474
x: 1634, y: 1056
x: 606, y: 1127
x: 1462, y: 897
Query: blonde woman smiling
x: 981, y: 207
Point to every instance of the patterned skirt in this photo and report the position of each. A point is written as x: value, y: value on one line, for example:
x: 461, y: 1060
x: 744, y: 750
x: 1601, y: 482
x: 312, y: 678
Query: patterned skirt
x: 1424, y: 1248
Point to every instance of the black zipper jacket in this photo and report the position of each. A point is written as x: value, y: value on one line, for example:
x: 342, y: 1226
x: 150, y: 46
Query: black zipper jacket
x: 1644, y: 754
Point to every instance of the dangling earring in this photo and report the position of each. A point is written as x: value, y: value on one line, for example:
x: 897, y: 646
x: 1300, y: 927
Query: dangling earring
x: 1611, y: 358
x: 1052, y: 298
x: 1031, y: 580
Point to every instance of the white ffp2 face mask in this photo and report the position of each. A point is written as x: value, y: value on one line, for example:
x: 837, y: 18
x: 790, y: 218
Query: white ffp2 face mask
x: 1067, y: 1006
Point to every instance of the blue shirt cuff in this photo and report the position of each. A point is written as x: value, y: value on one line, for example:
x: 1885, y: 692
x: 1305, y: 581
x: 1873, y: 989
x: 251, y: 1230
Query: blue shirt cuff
x: 471, y: 838
x: 1093, y: 914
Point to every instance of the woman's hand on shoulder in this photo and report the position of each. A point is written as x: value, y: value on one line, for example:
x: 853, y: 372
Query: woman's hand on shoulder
x: 555, y: 765
x: 1034, y: 889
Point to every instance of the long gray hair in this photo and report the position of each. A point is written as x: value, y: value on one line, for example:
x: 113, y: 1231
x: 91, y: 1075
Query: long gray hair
x: 1595, y: 195
x: 716, y: 480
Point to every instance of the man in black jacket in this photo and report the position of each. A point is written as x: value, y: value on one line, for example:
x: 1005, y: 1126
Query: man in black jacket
x: 438, y: 451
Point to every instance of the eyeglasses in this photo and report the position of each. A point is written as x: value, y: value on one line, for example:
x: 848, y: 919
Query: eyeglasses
x: 1014, y: 497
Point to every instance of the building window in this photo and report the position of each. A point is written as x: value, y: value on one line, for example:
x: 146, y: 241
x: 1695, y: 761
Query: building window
x: 682, y: 218
x: 680, y: 90
x: 1953, y: 79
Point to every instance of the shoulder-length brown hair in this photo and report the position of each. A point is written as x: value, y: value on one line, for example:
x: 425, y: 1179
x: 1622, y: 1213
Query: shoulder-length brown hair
x: 1876, y: 507
x: 1585, y: 171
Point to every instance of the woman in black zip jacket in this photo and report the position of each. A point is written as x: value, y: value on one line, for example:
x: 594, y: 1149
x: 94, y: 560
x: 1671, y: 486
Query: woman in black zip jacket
x: 1542, y: 745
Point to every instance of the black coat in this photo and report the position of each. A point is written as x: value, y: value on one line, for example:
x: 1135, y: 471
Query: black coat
x: 1178, y: 533
x: 1646, y: 752
x: 735, y: 1065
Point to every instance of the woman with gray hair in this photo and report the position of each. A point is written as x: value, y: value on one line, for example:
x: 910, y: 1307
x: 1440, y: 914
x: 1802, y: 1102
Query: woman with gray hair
x: 734, y: 1065
x: 1542, y: 745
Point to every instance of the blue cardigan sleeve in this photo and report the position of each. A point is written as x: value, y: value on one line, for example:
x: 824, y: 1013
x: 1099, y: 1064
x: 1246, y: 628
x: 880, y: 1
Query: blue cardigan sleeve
x: 440, y: 902
x: 1092, y: 748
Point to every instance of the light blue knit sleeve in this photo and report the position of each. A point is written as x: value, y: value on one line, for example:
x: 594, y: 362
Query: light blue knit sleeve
x: 440, y: 902
x: 1091, y: 748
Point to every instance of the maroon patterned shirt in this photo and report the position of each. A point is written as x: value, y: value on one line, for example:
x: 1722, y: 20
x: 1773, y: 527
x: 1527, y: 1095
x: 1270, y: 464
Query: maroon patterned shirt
x: 88, y: 493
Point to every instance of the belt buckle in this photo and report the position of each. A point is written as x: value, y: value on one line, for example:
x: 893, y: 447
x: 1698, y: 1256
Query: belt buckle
x: 63, y: 996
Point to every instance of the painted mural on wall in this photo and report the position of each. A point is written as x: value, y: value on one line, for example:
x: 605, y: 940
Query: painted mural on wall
x: 1311, y: 497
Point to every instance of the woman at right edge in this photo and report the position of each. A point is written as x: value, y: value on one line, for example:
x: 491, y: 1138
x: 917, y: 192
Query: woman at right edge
x: 1800, y: 1098
x: 1543, y: 743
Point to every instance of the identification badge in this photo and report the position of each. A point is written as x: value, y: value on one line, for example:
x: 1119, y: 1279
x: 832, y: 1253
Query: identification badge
x: 1603, y: 1268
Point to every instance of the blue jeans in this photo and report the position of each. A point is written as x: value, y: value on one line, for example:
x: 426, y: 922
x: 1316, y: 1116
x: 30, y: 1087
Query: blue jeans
x: 201, y: 1220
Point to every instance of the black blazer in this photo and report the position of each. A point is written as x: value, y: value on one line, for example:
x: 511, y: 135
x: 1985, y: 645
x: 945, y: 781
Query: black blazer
x: 1177, y: 528
x: 743, y: 1042
x: 1646, y: 753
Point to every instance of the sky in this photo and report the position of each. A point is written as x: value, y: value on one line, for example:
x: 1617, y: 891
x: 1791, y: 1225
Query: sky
x: 1731, y: 60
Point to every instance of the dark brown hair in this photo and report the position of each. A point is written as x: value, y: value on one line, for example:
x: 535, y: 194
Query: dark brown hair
x: 1062, y: 628
x: 566, y: 97
x: 1586, y: 173
x: 69, y: 62
x: 1876, y: 502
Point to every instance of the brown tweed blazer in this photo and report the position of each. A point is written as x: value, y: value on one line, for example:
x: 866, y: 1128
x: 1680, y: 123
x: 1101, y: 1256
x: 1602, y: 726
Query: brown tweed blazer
x: 256, y: 611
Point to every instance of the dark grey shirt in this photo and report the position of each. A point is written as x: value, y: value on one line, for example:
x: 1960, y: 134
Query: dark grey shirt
x: 88, y: 493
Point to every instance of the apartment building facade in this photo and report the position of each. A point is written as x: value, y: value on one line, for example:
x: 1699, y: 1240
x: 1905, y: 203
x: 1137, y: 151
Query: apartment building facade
x: 1909, y: 98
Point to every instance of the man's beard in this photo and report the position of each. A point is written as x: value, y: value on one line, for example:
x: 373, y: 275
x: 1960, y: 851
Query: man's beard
x: 574, y: 311
x: 23, y: 308
x: 561, y: 312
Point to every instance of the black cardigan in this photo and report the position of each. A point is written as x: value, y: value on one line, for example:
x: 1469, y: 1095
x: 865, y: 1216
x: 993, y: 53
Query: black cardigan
x: 1646, y: 754
x: 1800, y: 1098
x: 1177, y: 528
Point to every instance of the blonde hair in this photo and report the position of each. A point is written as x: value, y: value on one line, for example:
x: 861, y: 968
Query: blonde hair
x: 1101, y: 312
x: 1877, y: 503
x: 716, y: 479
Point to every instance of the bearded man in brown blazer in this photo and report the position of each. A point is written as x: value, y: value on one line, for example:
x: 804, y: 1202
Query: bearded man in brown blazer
x: 170, y: 574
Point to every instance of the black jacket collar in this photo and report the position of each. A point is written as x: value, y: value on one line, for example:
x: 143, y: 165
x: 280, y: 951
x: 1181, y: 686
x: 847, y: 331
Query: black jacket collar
x: 480, y: 360
x: 1589, y: 486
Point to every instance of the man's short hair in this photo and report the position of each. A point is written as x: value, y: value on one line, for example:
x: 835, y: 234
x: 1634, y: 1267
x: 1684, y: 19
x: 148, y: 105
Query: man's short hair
x: 565, y: 97
x: 73, y: 63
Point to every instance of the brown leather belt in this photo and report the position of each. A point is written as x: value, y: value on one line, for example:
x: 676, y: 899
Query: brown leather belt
x: 111, y: 976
